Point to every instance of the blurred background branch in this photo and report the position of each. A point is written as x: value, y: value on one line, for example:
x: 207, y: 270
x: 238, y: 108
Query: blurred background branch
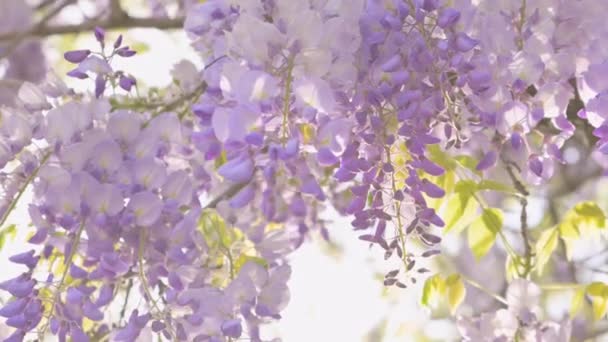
x: 117, y: 18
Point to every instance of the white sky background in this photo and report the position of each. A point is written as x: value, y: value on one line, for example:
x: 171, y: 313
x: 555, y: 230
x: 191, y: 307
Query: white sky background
x: 332, y: 298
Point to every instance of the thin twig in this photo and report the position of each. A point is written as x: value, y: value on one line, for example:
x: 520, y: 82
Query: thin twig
x: 229, y: 193
x: 124, y: 305
x: 523, y: 217
x: 23, y: 187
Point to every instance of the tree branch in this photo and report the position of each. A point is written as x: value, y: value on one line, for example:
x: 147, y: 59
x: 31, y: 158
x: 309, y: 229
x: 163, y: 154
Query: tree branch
x: 16, y: 38
x: 117, y: 19
x: 227, y: 194
x: 109, y: 24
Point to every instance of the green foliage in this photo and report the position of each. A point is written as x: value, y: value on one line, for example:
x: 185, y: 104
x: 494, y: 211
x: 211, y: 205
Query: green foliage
x: 546, y: 244
x: 577, y: 302
x: 7, y: 233
x: 455, y: 291
x: 227, y: 245
x: 215, y: 230
x: 441, y: 158
x: 461, y: 208
x: 433, y: 290
x: 244, y: 258
x: 437, y: 289
x: 482, y: 232
x: 468, y: 162
x: 491, y: 185
x: 598, y: 293
x: 140, y: 47
x: 584, y: 216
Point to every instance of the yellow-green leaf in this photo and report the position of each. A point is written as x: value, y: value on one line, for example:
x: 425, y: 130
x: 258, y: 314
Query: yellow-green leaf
x: 589, y: 215
x: 487, y: 184
x: 468, y: 162
x: 455, y: 291
x: 439, y: 157
x: 577, y: 302
x: 512, y: 267
x: 433, y: 290
x: 459, y: 212
x: 7, y: 233
x: 243, y: 259
x: 568, y: 229
x: 140, y: 47
x: 584, y: 216
x: 598, y: 292
x: 482, y: 231
x: 546, y: 244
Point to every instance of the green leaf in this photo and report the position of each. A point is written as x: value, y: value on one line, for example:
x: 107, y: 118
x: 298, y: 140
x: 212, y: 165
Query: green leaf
x: 598, y: 293
x: 468, y: 162
x: 466, y: 187
x: 455, y: 291
x: 433, y: 290
x: 439, y: 157
x: 7, y: 233
x: 482, y: 231
x: 487, y: 184
x: 244, y: 258
x: 460, y: 212
x: 577, y: 302
x: 139, y: 47
x: 589, y: 215
x: 568, y: 229
x: 215, y: 230
x: 583, y: 216
x: 512, y: 267
x: 546, y: 244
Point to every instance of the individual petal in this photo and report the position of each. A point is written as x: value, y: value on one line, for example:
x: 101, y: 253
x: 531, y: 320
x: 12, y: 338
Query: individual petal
x: 112, y: 262
x: 149, y: 173
x: 465, y: 43
x: 146, y: 206
x: 232, y: 328
x: 431, y: 189
x: 126, y: 82
x: 105, y: 199
x: 91, y: 311
x: 315, y: 93
x: 14, y: 307
x: 335, y: 134
x: 535, y: 165
x: 243, y: 197
x: 178, y: 187
x: 107, y: 156
x: 76, y: 56
x: 78, y: 335
x: 95, y: 65
x: 325, y: 157
x: 448, y: 17
x: 25, y: 258
x: 488, y: 161
x: 106, y: 293
x: 167, y: 126
x: 238, y: 170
